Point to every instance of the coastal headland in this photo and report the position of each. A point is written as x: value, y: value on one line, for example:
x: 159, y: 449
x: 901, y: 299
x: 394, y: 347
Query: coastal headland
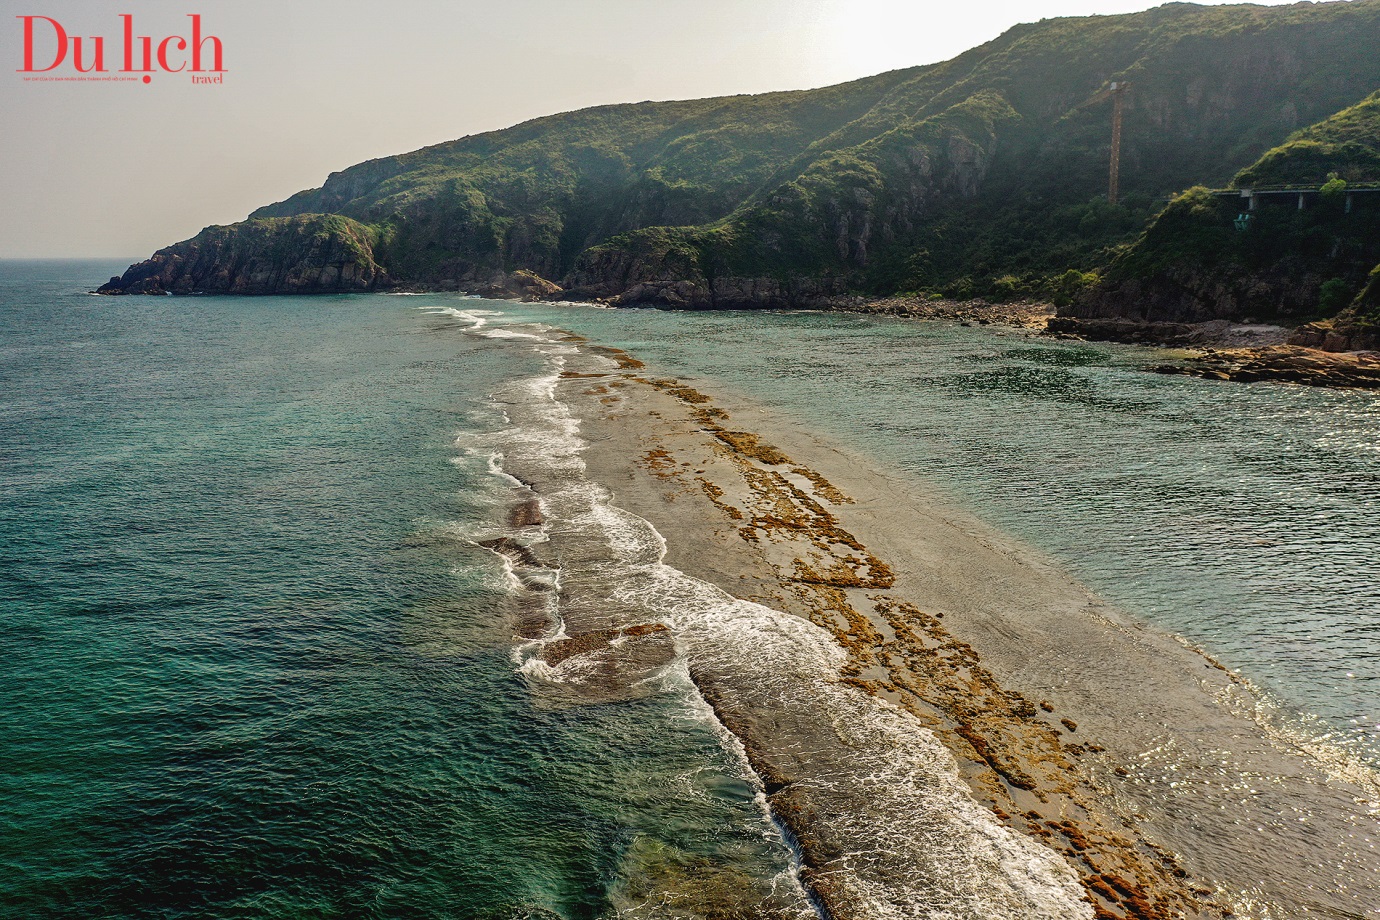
x: 1247, y: 190
x: 1151, y: 771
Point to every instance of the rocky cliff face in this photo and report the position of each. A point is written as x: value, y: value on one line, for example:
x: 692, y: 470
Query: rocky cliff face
x: 1283, y: 292
x: 1290, y: 280
x: 313, y: 254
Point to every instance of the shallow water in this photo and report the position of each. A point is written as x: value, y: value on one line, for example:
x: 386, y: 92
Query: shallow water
x: 1245, y: 518
x: 257, y: 664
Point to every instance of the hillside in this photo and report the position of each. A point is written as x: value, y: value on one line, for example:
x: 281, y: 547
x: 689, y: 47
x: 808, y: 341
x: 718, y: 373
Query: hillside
x: 979, y: 175
x: 1209, y: 256
x: 1345, y: 146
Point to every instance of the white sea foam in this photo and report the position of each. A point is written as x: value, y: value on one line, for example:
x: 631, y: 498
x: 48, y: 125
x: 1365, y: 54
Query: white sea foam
x: 508, y: 334
x: 924, y: 847
x: 476, y: 319
x: 530, y: 664
x: 919, y: 811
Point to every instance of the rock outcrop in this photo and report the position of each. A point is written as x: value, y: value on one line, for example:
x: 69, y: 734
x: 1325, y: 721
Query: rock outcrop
x: 1336, y: 336
x: 308, y: 254
x: 1357, y: 328
x: 1288, y: 363
x: 1186, y: 293
x: 500, y: 285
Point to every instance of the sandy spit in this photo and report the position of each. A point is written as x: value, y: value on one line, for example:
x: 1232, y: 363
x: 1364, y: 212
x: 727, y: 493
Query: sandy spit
x: 1151, y: 770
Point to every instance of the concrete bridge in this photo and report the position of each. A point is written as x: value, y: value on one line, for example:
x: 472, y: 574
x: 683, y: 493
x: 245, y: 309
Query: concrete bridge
x: 1282, y: 195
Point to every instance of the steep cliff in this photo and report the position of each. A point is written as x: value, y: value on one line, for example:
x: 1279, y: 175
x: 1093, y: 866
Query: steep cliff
x: 1304, y: 252
x: 985, y: 174
x: 311, y: 254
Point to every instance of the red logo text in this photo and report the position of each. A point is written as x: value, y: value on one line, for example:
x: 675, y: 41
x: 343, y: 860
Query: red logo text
x: 48, y: 45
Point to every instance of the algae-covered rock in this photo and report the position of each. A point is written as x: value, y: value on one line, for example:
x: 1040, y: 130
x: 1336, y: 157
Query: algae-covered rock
x: 659, y: 880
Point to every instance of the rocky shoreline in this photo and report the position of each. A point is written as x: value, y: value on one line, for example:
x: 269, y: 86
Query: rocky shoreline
x: 1023, y: 314
x: 1215, y: 333
x: 1217, y: 349
x: 1244, y: 353
x: 1285, y: 363
x: 1254, y: 352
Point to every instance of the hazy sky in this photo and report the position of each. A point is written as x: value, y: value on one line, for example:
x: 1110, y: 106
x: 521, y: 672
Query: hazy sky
x: 121, y: 169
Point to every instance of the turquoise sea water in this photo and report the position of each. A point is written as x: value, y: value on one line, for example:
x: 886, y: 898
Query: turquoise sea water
x: 1245, y: 518
x: 255, y: 665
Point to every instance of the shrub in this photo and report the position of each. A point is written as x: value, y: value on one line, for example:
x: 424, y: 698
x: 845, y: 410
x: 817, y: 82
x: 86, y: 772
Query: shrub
x: 1334, y: 296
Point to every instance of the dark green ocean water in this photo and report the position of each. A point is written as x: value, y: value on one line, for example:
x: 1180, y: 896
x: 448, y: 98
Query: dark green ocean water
x: 250, y: 666
x: 255, y: 666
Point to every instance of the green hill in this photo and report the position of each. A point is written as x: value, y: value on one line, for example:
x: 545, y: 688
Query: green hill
x: 985, y: 174
x: 1345, y: 146
x: 1208, y: 256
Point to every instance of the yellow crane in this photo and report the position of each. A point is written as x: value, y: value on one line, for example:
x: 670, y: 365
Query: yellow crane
x: 1116, y: 91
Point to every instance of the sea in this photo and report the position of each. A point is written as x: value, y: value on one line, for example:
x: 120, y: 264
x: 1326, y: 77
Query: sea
x: 257, y: 661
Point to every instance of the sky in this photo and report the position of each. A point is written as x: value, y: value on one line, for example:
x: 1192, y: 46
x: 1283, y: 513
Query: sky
x: 119, y: 169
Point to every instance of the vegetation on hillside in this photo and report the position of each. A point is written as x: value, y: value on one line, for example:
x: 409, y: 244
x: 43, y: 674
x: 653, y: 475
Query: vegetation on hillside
x: 1345, y: 147
x: 307, y: 253
x: 1209, y: 250
x: 982, y: 175
x: 1359, y: 321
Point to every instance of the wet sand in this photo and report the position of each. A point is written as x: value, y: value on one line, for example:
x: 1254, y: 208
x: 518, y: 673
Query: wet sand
x: 1143, y: 763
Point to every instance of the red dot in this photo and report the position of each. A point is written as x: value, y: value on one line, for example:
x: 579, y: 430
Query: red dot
x: 147, y: 78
